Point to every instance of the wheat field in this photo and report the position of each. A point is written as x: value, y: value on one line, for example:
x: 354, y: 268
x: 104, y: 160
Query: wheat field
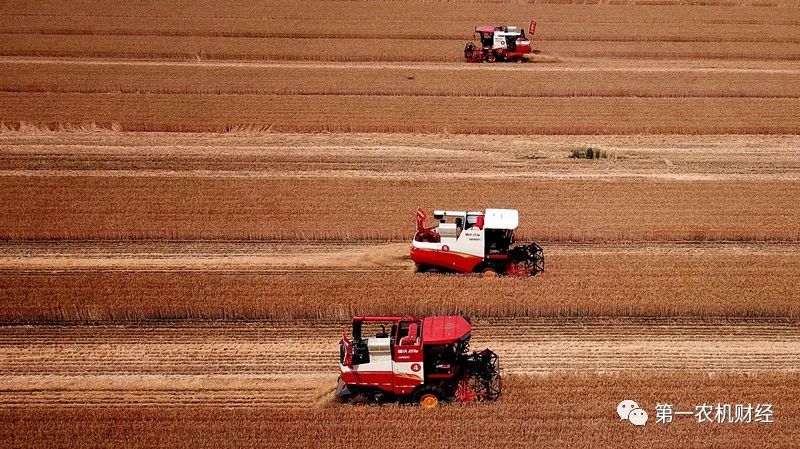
x: 250, y: 185
x: 116, y: 281
x: 536, y: 410
x: 196, y: 196
x: 155, y: 384
x: 603, y: 69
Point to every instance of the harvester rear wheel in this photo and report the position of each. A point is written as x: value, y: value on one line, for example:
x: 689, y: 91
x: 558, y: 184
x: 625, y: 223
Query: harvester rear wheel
x: 489, y: 273
x: 430, y: 269
x: 359, y: 400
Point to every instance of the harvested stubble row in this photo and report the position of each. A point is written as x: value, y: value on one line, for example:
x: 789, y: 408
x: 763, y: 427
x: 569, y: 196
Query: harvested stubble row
x: 255, y: 154
x: 534, y: 410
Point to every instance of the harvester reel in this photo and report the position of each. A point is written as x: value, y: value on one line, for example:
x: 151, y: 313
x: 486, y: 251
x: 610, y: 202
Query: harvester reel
x: 529, y: 258
x: 469, y: 51
x: 482, y: 382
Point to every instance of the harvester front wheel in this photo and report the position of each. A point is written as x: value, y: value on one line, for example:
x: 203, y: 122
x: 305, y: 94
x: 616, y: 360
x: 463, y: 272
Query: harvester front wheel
x: 489, y: 273
x: 429, y: 401
x: 428, y: 397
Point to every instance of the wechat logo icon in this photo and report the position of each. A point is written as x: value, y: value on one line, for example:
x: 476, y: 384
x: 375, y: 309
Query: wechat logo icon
x: 629, y: 410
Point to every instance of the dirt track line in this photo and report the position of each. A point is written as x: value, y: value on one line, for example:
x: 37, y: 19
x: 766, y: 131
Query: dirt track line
x: 383, y: 175
x: 388, y: 93
x: 572, y: 65
x: 288, y: 257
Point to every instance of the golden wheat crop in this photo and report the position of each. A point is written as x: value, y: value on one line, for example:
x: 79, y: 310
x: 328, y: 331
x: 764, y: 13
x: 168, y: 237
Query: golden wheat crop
x: 266, y: 208
x: 400, y: 31
x: 605, y: 96
x: 729, y: 280
x: 238, y: 220
x: 240, y: 354
x: 377, y: 113
x: 111, y: 185
x: 585, y: 79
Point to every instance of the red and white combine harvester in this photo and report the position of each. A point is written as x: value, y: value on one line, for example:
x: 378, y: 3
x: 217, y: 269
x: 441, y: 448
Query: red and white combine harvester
x: 500, y: 43
x: 474, y: 242
x: 420, y: 360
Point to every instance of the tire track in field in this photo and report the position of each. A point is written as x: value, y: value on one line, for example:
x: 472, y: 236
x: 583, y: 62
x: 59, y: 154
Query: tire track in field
x: 268, y: 258
x: 293, y: 364
x: 586, y: 64
x: 282, y: 257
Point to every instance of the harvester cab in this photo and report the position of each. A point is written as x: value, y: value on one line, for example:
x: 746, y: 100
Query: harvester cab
x: 474, y: 242
x: 419, y: 360
x: 500, y: 43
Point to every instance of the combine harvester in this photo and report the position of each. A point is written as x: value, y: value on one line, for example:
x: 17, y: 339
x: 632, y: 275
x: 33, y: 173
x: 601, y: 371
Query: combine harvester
x: 500, y: 43
x: 420, y: 360
x: 474, y: 242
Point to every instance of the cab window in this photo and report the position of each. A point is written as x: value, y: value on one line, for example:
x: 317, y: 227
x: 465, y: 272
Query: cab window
x: 409, y: 333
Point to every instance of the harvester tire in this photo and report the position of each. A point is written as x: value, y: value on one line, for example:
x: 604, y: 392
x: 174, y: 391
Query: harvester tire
x: 489, y: 273
x: 429, y: 397
x: 359, y: 400
x: 491, y: 58
x: 429, y: 269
